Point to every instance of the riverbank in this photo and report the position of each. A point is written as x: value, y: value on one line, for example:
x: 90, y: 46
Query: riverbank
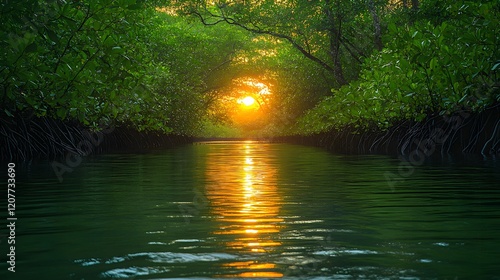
x: 28, y: 138
x: 461, y: 133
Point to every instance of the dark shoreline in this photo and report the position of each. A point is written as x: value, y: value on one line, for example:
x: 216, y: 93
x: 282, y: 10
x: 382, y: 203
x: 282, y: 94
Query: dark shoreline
x: 458, y: 134
x: 43, y: 138
x: 461, y: 133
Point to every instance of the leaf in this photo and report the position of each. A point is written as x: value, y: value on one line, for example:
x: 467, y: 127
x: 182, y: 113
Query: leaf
x: 114, y: 112
x: 462, y: 99
x: 52, y: 36
x: 117, y: 49
x: 61, y: 113
x: 495, y: 67
x: 433, y: 63
x: 392, y: 27
x: 8, y: 113
x: 31, y: 48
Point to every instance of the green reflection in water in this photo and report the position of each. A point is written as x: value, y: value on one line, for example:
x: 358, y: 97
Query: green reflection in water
x: 247, y: 209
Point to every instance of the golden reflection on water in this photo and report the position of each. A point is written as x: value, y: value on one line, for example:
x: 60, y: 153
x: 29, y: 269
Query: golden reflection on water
x: 244, y: 199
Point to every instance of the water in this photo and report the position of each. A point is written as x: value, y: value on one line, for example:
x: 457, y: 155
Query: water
x: 248, y: 209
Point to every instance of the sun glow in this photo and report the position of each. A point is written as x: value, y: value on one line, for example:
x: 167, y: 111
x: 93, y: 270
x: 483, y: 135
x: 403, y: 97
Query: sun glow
x: 247, y: 101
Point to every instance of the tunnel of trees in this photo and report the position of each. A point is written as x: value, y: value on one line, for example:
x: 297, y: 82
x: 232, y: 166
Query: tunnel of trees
x: 380, y: 72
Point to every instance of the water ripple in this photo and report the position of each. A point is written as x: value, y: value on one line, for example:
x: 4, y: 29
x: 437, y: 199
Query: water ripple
x: 132, y: 272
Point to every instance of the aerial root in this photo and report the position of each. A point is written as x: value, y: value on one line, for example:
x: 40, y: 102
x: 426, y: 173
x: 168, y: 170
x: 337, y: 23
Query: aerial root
x: 493, y: 136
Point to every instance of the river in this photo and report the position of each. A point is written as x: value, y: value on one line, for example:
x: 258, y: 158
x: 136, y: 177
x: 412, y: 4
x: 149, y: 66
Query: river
x: 251, y: 209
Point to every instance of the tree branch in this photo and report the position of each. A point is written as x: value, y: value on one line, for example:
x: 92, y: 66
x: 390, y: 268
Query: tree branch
x: 258, y: 30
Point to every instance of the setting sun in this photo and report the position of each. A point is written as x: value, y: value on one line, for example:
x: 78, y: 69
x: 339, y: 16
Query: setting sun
x: 247, y: 101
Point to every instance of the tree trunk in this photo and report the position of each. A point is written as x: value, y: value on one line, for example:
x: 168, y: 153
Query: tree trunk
x: 335, y: 34
x: 405, y: 4
x: 415, y: 5
x: 376, y: 25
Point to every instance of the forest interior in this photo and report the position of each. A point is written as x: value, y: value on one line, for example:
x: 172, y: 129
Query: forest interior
x: 360, y: 75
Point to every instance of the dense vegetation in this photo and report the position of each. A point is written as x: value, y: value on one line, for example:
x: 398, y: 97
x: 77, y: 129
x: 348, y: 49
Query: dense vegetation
x: 96, y: 61
x: 182, y: 67
x: 446, y: 61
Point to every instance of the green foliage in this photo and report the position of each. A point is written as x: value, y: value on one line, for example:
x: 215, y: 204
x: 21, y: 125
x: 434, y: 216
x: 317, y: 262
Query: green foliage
x: 333, y: 34
x: 74, y: 60
x: 96, y: 61
x: 212, y: 129
x: 425, y: 69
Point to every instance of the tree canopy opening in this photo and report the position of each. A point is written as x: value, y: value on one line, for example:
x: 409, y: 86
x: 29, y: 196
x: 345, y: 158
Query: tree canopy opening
x: 247, y: 68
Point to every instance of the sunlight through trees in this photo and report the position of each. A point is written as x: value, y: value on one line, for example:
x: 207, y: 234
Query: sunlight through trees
x: 186, y: 67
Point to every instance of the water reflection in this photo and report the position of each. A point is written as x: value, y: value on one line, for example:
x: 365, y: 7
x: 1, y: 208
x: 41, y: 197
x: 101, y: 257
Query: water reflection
x: 117, y: 216
x: 246, y: 204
